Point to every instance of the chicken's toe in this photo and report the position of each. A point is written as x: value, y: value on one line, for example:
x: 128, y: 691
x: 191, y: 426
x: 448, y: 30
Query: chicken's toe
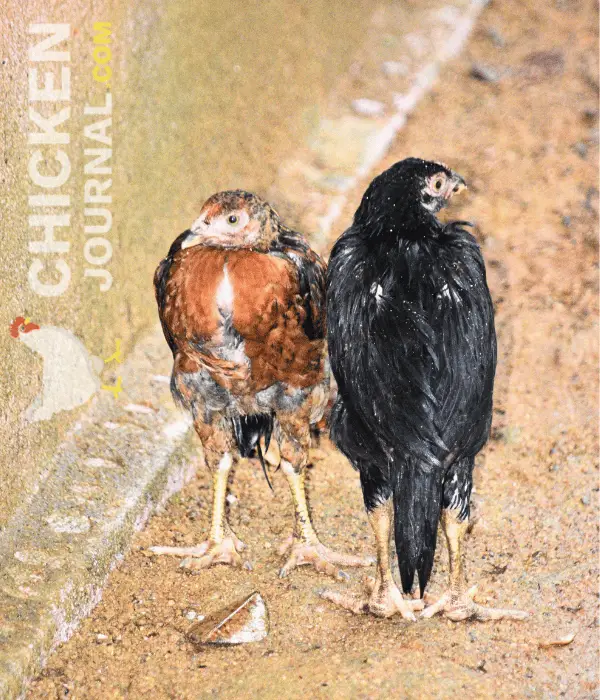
x: 321, y: 558
x: 462, y: 607
x: 206, y: 554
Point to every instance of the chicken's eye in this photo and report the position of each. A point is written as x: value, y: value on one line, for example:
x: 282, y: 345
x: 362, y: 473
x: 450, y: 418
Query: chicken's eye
x: 232, y: 219
x: 438, y: 184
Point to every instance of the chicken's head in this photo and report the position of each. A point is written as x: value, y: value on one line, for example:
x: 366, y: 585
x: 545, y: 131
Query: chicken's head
x: 234, y: 219
x: 408, y: 195
x: 22, y: 325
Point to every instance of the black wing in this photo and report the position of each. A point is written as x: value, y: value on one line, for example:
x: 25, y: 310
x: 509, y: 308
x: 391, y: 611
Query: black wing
x: 311, y: 278
x: 161, y: 275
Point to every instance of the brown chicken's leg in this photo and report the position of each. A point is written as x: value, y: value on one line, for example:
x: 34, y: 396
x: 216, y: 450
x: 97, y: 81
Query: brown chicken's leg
x: 385, y: 599
x: 304, y: 546
x: 457, y: 603
x: 222, y: 546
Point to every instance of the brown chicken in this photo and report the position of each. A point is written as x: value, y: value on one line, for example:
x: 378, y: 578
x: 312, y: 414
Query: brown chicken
x: 241, y: 299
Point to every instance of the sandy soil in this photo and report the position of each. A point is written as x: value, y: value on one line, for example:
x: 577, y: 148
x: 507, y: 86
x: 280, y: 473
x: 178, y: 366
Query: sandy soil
x: 528, y: 145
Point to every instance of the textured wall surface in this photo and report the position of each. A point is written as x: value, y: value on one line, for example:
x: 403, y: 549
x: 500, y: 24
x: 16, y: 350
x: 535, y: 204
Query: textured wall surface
x: 205, y: 96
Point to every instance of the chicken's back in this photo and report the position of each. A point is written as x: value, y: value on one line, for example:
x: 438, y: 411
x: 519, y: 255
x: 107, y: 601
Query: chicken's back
x: 413, y: 350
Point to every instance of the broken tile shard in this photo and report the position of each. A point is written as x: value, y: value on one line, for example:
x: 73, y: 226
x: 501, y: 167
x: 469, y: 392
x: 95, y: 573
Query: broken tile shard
x: 241, y: 623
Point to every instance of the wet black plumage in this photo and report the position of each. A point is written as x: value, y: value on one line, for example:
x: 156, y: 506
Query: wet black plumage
x: 413, y: 349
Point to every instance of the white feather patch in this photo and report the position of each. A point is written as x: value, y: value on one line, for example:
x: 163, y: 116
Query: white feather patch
x: 225, y: 293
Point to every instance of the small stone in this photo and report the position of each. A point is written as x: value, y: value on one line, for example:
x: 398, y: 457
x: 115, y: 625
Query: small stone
x: 581, y: 149
x: 160, y: 379
x: 231, y: 499
x: 393, y: 68
x: 542, y: 65
x: 560, y: 642
x: 485, y: 73
x: 139, y: 408
x: 585, y: 500
x: 496, y: 38
x: 101, y: 637
x: 590, y: 114
x: 555, y: 467
x: 241, y: 623
x: 511, y: 434
x: 566, y: 220
x: 62, y: 522
x: 368, y: 108
x: 99, y: 463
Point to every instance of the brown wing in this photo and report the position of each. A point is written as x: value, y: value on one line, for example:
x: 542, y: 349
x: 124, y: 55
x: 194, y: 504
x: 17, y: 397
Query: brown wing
x: 267, y: 313
x: 271, y: 316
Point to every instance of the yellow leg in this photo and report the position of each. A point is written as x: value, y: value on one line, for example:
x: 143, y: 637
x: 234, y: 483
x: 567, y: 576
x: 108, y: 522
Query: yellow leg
x: 222, y: 546
x: 454, y: 532
x: 385, y: 599
x: 305, y: 547
x: 457, y: 602
x: 303, y: 529
x: 220, y: 476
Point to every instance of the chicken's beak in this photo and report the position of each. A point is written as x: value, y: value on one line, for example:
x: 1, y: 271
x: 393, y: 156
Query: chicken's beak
x: 457, y: 185
x: 196, y: 231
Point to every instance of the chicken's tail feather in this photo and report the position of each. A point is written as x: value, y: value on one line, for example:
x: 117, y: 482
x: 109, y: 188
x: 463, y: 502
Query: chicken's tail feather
x: 417, y: 507
x: 248, y: 431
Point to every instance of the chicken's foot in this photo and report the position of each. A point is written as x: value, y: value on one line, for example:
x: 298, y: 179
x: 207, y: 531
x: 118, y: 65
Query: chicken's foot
x: 304, y: 547
x: 222, y: 546
x: 385, y: 598
x: 457, y: 602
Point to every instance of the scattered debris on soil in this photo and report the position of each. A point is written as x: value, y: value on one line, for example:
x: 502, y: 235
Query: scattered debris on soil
x: 560, y: 642
x: 244, y: 622
x: 368, y: 108
x: 487, y: 73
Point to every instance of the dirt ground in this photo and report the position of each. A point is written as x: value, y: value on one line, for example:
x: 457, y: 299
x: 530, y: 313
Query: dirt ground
x: 527, y: 143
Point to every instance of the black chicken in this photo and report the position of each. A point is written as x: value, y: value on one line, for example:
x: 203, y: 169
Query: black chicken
x: 413, y: 349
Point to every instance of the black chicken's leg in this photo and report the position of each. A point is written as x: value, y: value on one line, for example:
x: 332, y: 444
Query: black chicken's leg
x: 385, y: 599
x: 457, y: 602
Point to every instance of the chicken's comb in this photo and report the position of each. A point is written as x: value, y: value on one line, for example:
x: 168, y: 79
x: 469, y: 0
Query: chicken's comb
x: 14, y: 326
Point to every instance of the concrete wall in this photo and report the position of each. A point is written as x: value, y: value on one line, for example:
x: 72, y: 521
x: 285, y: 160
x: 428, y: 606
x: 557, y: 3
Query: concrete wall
x: 205, y: 96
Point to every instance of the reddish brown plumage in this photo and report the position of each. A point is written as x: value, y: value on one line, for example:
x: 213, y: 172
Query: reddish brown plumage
x: 241, y: 300
x: 267, y: 312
